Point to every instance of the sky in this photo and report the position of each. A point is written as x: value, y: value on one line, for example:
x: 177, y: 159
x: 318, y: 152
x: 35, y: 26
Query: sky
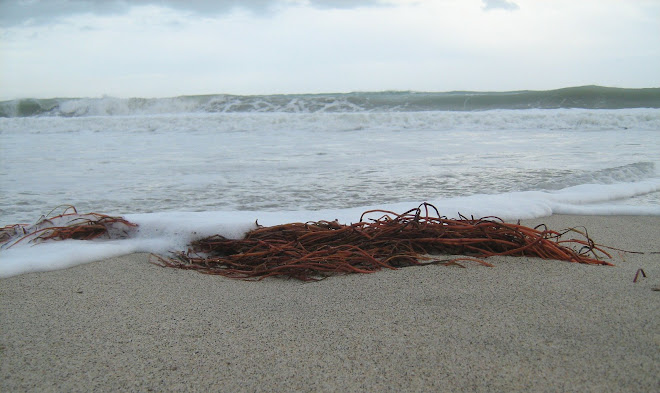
x: 165, y: 48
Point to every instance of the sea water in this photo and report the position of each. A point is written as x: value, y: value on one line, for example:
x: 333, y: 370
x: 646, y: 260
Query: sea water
x: 215, y: 164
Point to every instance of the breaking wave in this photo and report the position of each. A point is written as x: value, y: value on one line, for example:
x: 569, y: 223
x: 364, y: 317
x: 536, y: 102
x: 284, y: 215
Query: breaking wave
x: 586, y: 97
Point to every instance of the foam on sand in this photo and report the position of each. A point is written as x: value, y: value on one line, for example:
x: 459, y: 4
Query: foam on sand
x: 163, y: 232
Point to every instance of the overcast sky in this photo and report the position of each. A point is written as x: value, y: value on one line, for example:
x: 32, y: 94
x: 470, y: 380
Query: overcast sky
x: 90, y: 48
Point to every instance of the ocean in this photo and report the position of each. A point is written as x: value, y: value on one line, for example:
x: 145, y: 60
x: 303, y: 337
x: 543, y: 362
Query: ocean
x: 216, y: 163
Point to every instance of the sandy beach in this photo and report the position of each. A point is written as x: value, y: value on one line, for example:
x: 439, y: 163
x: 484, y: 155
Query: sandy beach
x: 527, y: 324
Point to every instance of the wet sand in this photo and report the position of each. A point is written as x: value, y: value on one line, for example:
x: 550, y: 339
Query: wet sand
x: 124, y: 324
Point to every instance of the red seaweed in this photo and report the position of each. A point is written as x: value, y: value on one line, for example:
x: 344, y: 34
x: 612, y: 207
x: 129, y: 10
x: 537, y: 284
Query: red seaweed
x: 68, y: 225
x: 314, y: 250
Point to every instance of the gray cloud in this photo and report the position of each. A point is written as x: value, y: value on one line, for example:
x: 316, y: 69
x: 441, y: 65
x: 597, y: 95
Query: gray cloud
x: 37, y: 12
x: 345, y: 3
x: 499, y: 5
x: 214, y: 7
x: 15, y: 12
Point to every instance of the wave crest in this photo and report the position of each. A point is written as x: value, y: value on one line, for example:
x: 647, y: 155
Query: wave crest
x: 586, y: 97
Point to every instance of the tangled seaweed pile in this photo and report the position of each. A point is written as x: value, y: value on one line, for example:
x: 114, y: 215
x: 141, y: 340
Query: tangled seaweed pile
x: 68, y: 225
x: 312, y: 251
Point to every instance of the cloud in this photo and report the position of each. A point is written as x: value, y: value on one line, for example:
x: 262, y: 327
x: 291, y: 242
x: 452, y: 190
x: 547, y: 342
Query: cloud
x: 344, y: 3
x: 499, y: 5
x: 38, y: 12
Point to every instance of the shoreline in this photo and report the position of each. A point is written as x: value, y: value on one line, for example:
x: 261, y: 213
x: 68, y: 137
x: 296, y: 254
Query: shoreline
x: 525, y: 325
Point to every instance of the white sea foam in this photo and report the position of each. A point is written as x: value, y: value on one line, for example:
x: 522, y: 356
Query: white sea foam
x: 171, y: 231
x: 492, y: 120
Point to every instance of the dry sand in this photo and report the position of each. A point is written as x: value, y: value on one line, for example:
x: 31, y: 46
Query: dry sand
x: 525, y: 325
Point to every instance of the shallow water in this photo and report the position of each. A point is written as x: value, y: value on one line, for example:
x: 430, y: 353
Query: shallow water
x: 289, y: 161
